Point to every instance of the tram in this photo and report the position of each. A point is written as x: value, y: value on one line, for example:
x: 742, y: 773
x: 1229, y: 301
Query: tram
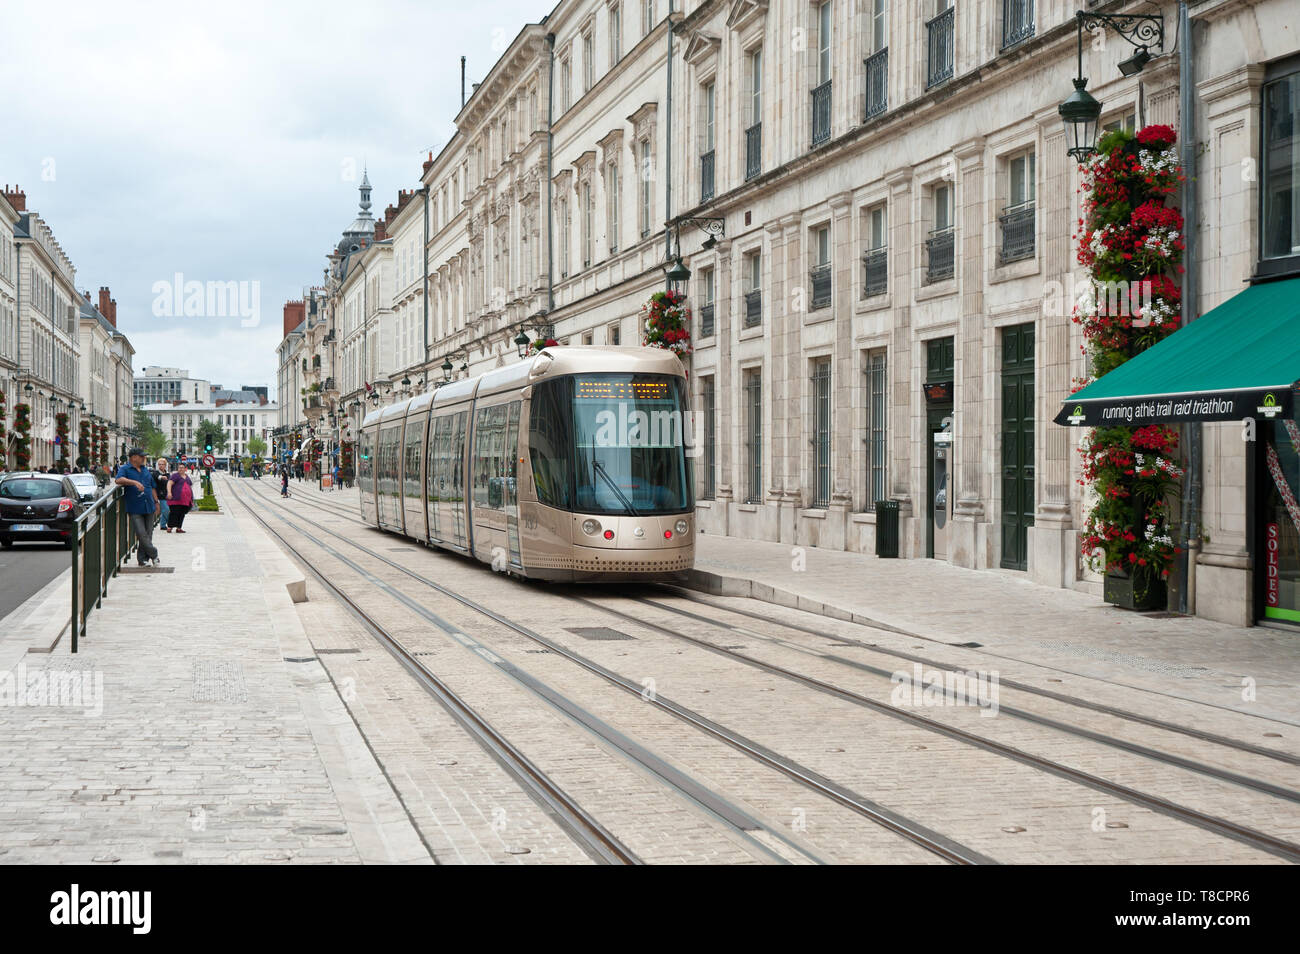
x: 570, y: 466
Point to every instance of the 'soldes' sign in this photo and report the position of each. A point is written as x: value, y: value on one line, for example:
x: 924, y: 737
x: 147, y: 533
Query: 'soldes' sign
x: 1270, y: 562
x: 1172, y: 409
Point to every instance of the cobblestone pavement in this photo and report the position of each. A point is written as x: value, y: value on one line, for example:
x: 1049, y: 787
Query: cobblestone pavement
x: 1005, y: 809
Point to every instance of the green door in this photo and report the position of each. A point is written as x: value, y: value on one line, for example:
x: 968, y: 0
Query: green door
x: 1017, y: 444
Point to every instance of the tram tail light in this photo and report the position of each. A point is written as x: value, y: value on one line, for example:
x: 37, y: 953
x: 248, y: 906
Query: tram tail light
x: 668, y: 534
x: 609, y: 534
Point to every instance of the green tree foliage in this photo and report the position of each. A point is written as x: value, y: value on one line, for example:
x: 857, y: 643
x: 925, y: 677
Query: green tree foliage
x: 210, y: 432
x: 256, y: 446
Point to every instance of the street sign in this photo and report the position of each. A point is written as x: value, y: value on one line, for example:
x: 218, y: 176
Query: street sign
x: 209, y: 460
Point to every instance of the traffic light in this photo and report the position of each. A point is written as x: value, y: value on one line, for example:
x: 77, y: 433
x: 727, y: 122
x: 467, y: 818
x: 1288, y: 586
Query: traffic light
x: 207, y: 448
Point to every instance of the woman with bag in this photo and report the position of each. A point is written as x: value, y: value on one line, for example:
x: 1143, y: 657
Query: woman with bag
x: 180, y: 497
x: 160, y: 477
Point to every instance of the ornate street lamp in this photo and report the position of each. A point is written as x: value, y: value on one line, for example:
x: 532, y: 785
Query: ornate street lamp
x: 678, y: 275
x: 522, y: 343
x: 1081, y: 110
x: 447, y: 368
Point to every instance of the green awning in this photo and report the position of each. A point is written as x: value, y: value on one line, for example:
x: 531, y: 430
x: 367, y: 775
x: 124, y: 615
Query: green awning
x: 1240, y: 360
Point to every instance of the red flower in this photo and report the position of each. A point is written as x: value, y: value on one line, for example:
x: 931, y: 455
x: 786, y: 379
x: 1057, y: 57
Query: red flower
x: 1157, y: 136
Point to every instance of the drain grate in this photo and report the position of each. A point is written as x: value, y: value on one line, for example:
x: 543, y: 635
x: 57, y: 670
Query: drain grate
x: 218, y: 680
x: 598, y: 632
x: 336, y: 652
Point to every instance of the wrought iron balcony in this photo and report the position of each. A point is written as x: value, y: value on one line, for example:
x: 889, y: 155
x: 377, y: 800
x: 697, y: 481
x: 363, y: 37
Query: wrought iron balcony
x: 706, y: 176
x: 821, y: 285
x: 821, y: 114
x: 753, y: 307
x: 877, y: 84
x: 1017, y: 21
x: 875, y: 272
x: 1017, y: 226
x: 706, y: 320
x: 329, y: 385
x: 939, y: 31
x: 939, y: 248
x: 753, y: 150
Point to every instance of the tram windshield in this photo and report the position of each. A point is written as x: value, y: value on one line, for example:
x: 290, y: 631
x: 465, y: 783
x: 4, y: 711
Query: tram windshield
x: 621, y: 450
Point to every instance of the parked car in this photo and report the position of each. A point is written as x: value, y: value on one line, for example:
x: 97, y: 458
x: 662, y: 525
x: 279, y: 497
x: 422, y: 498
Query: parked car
x: 87, y: 486
x: 35, y: 506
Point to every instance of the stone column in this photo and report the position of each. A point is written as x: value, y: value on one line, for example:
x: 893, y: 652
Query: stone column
x: 775, y: 312
x: 902, y: 393
x: 1052, y: 557
x: 792, y: 373
x: 844, y: 384
x: 728, y: 423
x: 970, y: 546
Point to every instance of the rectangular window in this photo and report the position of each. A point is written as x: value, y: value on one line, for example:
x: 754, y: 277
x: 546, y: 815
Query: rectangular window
x: 754, y: 106
x: 1128, y: 122
x: 940, y: 245
x: 564, y: 238
x: 588, y: 62
x: 824, y: 43
x: 755, y: 86
x: 821, y: 433
x: 1017, y: 221
x: 1280, y: 183
x: 647, y: 187
x: 614, y: 336
x: 647, y: 16
x: 820, y: 273
x: 754, y: 437
x: 566, y: 85
x: 706, y: 302
x: 612, y: 198
x: 942, y: 207
x: 1017, y: 21
x: 876, y: 390
x: 879, y: 25
x: 753, y: 277
x: 709, y: 104
x: 709, y: 450
x: 875, y: 258
x: 615, y: 33
x: 588, y: 210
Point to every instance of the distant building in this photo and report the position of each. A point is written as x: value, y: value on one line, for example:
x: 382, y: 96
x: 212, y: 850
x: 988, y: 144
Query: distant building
x: 156, y: 385
x: 241, y: 421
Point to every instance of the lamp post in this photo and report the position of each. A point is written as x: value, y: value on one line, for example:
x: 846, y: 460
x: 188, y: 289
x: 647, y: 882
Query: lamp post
x: 522, y: 343
x: 1081, y: 111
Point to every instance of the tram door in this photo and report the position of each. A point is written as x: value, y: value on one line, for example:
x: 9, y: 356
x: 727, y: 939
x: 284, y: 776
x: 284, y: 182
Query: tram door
x: 512, y: 461
x: 488, y: 485
x: 941, y: 488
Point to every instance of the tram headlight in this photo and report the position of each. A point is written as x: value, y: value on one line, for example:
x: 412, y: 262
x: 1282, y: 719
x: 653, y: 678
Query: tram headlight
x: 591, y: 527
x: 681, y: 527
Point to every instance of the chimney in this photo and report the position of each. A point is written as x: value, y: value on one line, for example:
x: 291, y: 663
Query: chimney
x: 16, y: 198
x: 294, y: 314
x: 112, y: 315
x: 381, y: 227
x: 428, y: 163
x: 104, y: 298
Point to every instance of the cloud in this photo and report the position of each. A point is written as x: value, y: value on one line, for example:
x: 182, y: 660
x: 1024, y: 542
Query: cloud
x: 214, y: 141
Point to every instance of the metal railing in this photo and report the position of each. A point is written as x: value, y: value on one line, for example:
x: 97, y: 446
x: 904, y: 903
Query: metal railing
x: 877, y: 84
x: 939, y: 249
x: 101, y: 541
x: 753, y: 307
x: 706, y: 176
x: 753, y: 150
x: 939, y: 31
x: 706, y: 320
x: 875, y: 272
x: 1017, y: 226
x: 821, y: 114
x: 821, y: 285
x: 1017, y: 21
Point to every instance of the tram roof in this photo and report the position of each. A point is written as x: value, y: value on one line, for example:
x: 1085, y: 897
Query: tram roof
x: 553, y: 362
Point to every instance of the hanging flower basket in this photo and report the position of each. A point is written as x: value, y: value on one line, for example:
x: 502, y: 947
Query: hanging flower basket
x: 1131, y: 241
x: 665, y: 322
x: 23, y: 438
x: 541, y: 344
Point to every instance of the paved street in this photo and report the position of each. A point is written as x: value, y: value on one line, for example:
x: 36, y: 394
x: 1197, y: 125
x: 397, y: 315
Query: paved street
x: 688, y: 727
x: 26, y: 569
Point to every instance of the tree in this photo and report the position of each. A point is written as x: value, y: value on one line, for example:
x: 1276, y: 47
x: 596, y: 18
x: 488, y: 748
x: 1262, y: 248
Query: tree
x: 210, y: 432
x: 256, y: 446
x: 151, y: 437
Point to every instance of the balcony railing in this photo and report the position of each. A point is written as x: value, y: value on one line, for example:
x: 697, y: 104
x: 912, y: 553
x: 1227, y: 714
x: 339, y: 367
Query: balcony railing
x: 821, y: 114
x: 328, y: 385
x: 706, y: 320
x: 821, y: 285
x: 939, y: 255
x: 706, y: 176
x: 1017, y: 225
x: 753, y: 150
x: 940, y: 48
x: 875, y: 272
x: 753, y: 307
x: 1017, y: 21
x: 877, y: 84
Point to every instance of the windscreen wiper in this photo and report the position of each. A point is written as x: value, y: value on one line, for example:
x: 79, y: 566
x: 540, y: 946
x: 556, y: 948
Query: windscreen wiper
x: 599, y: 468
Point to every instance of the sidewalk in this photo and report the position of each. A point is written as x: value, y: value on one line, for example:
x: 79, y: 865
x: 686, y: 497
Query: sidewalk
x: 205, y: 729
x: 1009, y: 616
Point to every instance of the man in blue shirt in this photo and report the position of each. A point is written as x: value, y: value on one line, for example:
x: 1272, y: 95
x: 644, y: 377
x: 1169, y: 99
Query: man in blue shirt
x: 140, y: 498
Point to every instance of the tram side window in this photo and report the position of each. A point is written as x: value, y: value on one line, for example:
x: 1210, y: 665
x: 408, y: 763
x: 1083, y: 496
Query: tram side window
x: 550, y: 443
x: 411, y: 465
x: 458, y: 458
x: 437, y: 456
x: 489, y: 447
x: 367, y: 448
x: 388, y: 461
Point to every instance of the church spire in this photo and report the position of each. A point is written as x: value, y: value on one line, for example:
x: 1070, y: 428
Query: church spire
x: 365, y: 194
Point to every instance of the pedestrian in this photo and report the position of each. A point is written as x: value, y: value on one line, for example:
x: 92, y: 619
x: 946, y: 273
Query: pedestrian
x: 284, y: 481
x: 140, y: 497
x: 161, y: 475
x: 336, y: 477
x: 180, y: 496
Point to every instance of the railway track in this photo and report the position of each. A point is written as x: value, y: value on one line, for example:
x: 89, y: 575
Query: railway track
x: 1221, y: 826
x: 940, y: 845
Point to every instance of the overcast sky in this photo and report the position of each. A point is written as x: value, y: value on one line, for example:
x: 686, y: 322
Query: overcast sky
x: 224, y: 142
